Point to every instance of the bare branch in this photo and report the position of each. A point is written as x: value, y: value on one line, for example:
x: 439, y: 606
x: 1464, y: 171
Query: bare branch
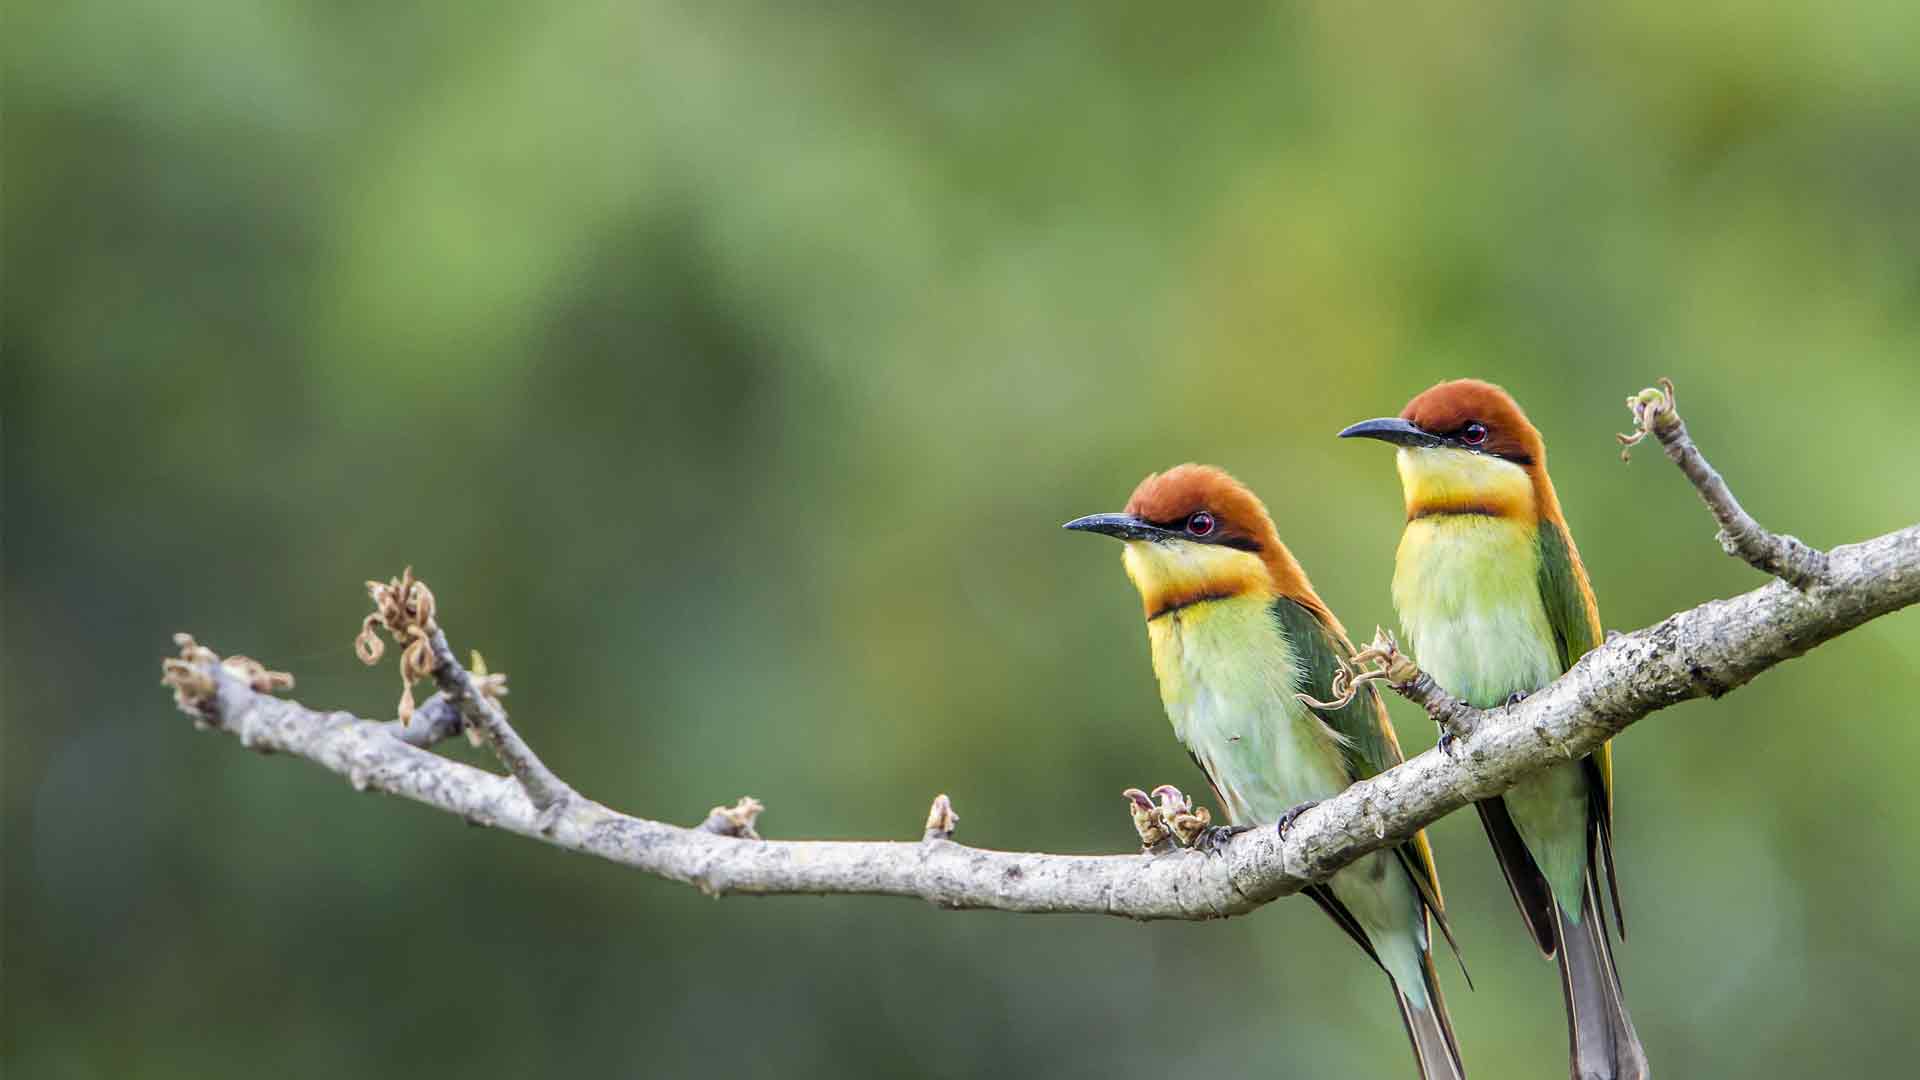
x: 1656, y: 412
x: 435, y: 720
x: 1705, y: 651
x: 482, y: 713
x: 404, y: 607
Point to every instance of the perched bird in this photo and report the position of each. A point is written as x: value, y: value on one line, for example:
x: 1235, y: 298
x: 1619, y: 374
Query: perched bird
x: 1495, y: 604
x: 1237, y: 633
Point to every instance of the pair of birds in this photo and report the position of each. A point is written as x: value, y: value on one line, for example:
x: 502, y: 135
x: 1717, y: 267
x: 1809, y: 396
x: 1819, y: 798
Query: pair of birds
x: 1495, y: 604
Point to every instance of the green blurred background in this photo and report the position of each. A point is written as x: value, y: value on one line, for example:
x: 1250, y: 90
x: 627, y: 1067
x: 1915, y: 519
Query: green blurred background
x: 728, y: 371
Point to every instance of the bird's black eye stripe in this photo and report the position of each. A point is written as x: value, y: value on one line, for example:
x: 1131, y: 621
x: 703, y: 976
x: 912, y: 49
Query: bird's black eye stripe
x: 1213, y: 536
x: 1473, y: 435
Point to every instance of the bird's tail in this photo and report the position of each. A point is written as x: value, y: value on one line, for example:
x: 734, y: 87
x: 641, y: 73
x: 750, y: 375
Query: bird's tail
x: 1599, y: 1032
x: 1431, y: 1029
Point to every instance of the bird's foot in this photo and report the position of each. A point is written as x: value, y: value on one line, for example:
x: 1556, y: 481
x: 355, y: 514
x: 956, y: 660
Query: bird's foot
x: 1453, y: 729
x: 1214, y: 838
x: 1287, y: 819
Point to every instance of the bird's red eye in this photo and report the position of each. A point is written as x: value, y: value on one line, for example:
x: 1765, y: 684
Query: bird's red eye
x: 1200, y: 524
x: 1474, y: 434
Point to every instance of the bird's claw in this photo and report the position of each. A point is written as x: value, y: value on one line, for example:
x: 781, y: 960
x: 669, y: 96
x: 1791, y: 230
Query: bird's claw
x: 1453, y: 728
x: 1287, y: 819
x: 1214, y: 839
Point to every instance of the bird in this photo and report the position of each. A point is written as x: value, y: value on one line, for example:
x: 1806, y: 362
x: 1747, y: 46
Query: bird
x: 1237, y: 634
x: 1494, y: 604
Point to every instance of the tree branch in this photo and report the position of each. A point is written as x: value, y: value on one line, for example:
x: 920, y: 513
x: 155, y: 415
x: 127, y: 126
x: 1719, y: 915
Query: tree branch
x: 1704, y: 651
x: 1656, y: 412
x: 434, y: 720
x: 482, y: 712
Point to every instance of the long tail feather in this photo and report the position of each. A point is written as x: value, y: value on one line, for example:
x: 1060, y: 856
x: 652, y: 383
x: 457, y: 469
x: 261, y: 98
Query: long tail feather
x: 1431, y: 1030
x: 1530, y: 891
x: 1601, y: 814
x: 1601, y: 1039
x: 1430, y: 896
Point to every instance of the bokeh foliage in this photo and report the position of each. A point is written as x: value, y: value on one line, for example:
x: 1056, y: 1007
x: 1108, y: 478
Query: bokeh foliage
x: 728, y: 369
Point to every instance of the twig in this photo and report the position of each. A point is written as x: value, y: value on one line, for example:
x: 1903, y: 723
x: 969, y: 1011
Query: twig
x: 1456, y: 718
x: 1353, y: 672
x: 404, y: 607
x: 1656, y: 412
x: 433, y: 722
x: 483, y: 713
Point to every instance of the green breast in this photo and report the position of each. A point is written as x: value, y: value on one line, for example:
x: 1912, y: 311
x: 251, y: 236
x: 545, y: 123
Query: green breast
x: 1467, y: 589
x: 1228, y: 678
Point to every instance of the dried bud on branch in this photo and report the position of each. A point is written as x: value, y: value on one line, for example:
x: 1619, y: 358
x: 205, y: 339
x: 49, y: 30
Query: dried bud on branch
x: 403, y: 606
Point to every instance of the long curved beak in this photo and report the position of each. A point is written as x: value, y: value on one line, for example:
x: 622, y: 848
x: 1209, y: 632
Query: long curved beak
x: 1394, y: 430
x: 1120, y: 526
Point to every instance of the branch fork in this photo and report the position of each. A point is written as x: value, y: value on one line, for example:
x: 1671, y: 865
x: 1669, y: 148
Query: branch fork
x: 404, y: 607
x: 1656, y: 412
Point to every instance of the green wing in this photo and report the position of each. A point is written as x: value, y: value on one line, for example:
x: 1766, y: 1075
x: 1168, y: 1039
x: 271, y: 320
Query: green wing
x: 1371, y: 747
x: 1575, y: 619
x: 1567, y: 596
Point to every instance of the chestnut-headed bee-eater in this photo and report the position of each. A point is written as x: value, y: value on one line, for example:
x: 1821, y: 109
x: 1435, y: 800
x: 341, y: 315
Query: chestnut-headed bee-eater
x: 1237, y: 631
x: 1496, y: 604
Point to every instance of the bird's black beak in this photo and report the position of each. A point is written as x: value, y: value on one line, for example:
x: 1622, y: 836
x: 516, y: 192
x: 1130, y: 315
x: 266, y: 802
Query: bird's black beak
x: 1120, y: 526
x: 1394, y: 430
